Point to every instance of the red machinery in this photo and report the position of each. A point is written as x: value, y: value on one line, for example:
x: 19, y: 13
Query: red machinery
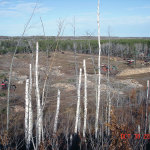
x: 4, y: 86
x: 105, y: 68
x: 130, y: 61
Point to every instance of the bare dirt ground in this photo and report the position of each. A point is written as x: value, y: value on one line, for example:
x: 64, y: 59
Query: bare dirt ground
x: 62, y: 76
x: 137, y: 71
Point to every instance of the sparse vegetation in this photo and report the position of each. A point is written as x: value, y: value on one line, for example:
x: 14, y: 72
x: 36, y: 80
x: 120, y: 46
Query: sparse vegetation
x: 2, y: 94
x: 74, y: 93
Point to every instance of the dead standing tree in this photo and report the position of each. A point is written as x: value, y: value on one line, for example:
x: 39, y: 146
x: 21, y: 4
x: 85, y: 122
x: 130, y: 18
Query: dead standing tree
x: 85, y: 98
x: 57, y: 112
x: 60, y: 33
x: 30, y: 105
x: 147, y: 114
x: 99, y: 74
x: 108, y: 84
x: 39, y: 110
x: 78, y: 104
x: 75, y: 53
x: 27, y: 113
x: 11, y: 65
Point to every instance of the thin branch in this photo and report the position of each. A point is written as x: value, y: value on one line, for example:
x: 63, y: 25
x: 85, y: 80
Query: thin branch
x: 11, y: 65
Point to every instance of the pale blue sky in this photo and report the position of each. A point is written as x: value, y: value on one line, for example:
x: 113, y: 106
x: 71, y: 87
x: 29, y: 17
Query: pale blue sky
x: 125, y: 17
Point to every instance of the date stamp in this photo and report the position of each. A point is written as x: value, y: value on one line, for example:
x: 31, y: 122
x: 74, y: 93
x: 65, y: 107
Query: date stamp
x: 136, y: 136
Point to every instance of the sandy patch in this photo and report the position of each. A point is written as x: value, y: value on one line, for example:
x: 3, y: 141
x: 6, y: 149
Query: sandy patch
x: 128, y: 72
x: 66, y: 86
x: 56, y: 71
x: 18, y: 109
x: 104, y: 88
x: 131, y: 83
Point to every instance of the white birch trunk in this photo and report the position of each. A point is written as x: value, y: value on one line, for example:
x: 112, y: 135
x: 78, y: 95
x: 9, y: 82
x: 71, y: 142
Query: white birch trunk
x: 42, y: 107
x: 39, y: 121
x: 109, y: 108
x: 30, y: 105
x: 79, y: 120
x: 85, y: 97
x: 99, y: 74
x: 57, y: 112
x: 106, y: 116
x: 26, y: 111
x: 146, y: 121
x: 149, y: 123
x: 78, y: 103
x: 147, y: 89
x: 139, y: 129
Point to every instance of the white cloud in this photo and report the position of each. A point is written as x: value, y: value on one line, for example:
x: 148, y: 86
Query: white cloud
x: 14, y: 16
x: 8, y: 13
x: 3, y: 3
x: 21, y: 8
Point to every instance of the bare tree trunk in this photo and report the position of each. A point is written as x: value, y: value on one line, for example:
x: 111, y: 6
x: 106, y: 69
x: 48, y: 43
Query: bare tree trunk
x: 57, y: 112
x: 139, y: 129
x: 27, y: 113
x: 146, y: 121
x: 109, y: 99
x: 78, y: 103
x: 85, y: 98
x: 39, y: 115
x: 93, y: 62
x: 30, y: 105
x: 99, y: 74
x: 75, y: 54
x: 106, y: 116
x: 28, y: 110
x: 79, y: 120
x: 60, y: 33
x: 42, y: 107
x: 149, y: 123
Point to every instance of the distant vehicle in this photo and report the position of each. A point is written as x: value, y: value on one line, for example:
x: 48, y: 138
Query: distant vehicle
x: 4, y: 85
x: 130, y: 61
x: 147, y: 61
x: 112, y: 70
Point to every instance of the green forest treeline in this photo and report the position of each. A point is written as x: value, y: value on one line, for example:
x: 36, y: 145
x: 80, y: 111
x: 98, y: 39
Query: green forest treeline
x: 116, y: 47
